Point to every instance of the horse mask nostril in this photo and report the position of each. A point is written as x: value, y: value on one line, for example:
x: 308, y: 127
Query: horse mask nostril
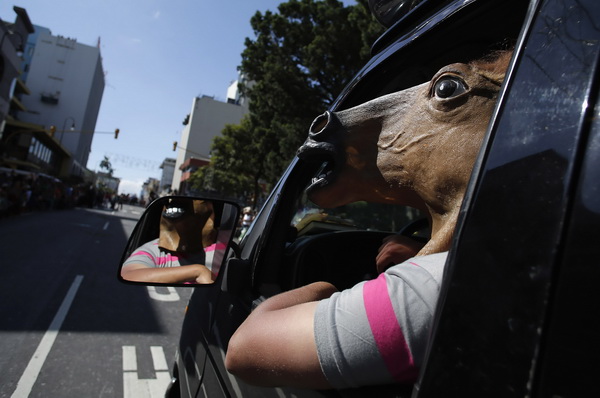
x: 319, y: 124
x: 324, y: 124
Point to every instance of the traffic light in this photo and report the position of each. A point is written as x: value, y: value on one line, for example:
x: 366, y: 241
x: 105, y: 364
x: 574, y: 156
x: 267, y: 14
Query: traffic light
x: 52, y: 131
x: 174, y: 146
x: 116, y: 133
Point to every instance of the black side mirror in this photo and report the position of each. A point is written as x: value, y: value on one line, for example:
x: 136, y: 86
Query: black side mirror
x: 180, y: 240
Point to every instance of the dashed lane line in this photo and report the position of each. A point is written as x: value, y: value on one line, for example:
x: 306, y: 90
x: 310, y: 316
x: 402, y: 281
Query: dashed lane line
x: 36, y: 362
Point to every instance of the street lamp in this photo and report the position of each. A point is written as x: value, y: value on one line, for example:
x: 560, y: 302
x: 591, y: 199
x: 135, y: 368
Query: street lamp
x: 72, y: 128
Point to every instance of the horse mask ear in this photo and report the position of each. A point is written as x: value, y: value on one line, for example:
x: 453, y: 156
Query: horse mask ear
x: 206, y: 214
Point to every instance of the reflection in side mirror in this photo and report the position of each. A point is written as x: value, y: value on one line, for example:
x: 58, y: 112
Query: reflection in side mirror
x: 180, y: 240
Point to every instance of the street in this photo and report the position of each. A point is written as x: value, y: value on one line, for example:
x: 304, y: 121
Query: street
x: 68, y: 327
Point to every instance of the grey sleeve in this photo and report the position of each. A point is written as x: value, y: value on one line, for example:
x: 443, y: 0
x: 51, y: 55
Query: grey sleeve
x: 377, y: 331
x: 347, y: 351
x: 145, y: 254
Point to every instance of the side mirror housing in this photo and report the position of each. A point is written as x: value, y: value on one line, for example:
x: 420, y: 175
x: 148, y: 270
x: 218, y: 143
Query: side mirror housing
x: 180, y: 241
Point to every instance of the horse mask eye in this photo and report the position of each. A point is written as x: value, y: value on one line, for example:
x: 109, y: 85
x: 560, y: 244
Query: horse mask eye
x: 448, y: 87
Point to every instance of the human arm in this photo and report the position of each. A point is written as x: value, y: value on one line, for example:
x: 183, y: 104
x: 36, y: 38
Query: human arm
x: 373, y: 333
x: 395, y: 250
x: 275, y: 345
x: 195, y: 273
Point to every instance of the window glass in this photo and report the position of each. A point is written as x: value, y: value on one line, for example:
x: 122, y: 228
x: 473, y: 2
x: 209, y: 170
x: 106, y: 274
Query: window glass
x: 310, y: 219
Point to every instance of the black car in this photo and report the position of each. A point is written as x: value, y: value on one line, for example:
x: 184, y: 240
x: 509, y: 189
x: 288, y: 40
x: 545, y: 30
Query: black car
x: 519, y: 305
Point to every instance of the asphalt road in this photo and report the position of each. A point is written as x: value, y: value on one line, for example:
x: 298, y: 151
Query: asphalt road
x: 68, y: 327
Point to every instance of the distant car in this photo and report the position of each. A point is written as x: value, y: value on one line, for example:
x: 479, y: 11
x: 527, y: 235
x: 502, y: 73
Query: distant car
x: 518, y: 312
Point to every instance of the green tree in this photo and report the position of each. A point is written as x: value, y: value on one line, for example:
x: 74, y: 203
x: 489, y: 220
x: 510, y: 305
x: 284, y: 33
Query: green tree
x: 107, y: 166
x: 235, y: 169
x: 300, y: 59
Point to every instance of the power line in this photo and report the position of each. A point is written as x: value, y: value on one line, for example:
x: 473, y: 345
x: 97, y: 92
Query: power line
x: 133, y: 162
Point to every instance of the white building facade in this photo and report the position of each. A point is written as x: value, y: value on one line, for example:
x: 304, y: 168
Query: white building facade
x: 166, y: 178
x: 207, y: 119
x: 66, y: 80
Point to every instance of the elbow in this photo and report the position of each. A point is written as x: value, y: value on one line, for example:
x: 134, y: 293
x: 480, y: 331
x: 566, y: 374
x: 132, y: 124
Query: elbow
x: 236, y: 359
x: 240, y: 362
x: 233, y: 362
x: 128, y: 275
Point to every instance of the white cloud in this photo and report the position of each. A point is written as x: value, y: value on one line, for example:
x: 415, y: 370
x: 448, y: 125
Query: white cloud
x: 130, y: 187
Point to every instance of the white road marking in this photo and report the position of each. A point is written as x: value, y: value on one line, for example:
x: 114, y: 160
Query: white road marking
x: 159, y: 359
x: 134, y: 387
x: 129, y: 359
x: 82, y: 225
x: 105, y: 226
x: 172, y: 295
x: 36, y: 362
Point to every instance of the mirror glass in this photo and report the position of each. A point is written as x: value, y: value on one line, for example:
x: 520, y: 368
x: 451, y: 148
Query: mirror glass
x: 180, y: 241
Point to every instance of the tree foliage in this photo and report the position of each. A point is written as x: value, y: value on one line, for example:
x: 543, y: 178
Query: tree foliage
x: 234, y: 168
x: 300, y: 59
x: 106, y: 165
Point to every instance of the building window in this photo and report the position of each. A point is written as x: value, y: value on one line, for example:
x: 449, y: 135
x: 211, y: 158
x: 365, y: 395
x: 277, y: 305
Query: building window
x: 50, y: 99
x: 40, y: 154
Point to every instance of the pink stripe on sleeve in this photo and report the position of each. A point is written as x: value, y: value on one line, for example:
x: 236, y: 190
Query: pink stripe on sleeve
x: 387, y: 331
x: 215, y: 246
x: 165, y: 259
x: 142, y: 253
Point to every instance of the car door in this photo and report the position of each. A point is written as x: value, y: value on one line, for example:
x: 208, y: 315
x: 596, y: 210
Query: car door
x: 240, y: 291
x: 522, y: 257
x: 573, y: 332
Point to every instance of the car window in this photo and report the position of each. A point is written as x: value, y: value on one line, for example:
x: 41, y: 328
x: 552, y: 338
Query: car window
x: 310, y: 219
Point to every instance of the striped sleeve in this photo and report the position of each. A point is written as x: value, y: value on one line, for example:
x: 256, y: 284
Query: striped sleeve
x: 376, y: 332
x: 148, y: 254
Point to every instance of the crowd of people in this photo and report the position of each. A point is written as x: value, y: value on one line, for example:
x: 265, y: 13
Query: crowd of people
x: 22, y: 192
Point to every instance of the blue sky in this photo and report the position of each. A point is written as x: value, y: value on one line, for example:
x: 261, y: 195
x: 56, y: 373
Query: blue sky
x: 157, y: 56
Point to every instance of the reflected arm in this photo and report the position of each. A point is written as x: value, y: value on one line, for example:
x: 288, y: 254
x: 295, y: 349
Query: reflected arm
x: 195, y: 273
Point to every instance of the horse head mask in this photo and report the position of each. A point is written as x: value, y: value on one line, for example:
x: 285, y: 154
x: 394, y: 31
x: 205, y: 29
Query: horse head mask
x: 415, y: 147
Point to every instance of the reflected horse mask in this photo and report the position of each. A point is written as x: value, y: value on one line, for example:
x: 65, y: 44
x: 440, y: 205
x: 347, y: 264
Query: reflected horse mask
x: 187, y: 225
